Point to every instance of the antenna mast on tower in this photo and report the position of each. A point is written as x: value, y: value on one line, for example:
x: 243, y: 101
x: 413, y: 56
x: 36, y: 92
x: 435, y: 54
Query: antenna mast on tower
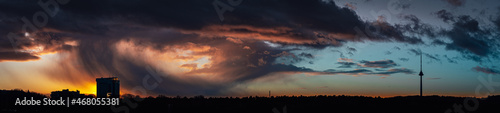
x: 421, y: 73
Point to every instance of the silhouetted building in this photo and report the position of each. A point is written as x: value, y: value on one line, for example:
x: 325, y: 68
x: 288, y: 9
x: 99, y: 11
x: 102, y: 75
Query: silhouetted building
x: 66, y: 93
x: 108, y: 87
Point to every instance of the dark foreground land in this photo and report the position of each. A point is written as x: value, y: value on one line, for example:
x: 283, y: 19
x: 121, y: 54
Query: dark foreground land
x: 280, y: 104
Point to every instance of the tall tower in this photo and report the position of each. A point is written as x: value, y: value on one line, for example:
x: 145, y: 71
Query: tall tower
x: 421, y: 73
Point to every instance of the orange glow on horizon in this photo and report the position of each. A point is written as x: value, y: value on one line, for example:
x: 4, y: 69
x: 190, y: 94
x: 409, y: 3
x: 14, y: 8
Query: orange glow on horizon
x: 90, y: 88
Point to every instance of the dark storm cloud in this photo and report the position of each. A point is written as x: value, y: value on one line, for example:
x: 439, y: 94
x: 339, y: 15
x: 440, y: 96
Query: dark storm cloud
x: 106, y: 16
x: 97, y: 55
x: 296, y: 12
x: 20, y: 56
x: 486, y: 70
x: 29, y: 48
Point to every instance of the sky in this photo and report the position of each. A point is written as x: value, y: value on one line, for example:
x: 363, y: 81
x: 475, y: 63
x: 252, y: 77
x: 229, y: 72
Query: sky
x: 251, y: 47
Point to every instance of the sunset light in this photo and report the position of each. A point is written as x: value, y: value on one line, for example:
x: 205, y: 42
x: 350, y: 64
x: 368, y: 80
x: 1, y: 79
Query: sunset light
x: 279, y: 56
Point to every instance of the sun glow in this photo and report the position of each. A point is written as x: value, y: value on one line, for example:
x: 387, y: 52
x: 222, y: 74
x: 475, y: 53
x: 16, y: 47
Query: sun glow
x: 90, y: 88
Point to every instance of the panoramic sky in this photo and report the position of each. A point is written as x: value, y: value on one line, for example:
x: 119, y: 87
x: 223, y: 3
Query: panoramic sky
x: 251, y: 47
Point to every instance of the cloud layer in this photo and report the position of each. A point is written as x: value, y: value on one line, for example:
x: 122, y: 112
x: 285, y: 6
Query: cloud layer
x: 195, y: 52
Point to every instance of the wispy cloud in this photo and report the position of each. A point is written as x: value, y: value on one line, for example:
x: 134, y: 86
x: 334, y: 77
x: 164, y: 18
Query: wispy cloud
x: 378, y: 64
x: 486, y: 70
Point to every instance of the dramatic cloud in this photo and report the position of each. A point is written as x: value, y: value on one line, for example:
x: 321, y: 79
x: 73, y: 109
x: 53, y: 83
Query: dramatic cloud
x: 31, y: 45
x: 12, y: 56
x: 468, y: 37
x: 465, y: 35
x: 196, y: 52
x: 486, y: 70
x: 329, y: 26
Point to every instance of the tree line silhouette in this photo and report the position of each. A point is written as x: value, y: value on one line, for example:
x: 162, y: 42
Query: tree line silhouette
x: 259, y: 104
